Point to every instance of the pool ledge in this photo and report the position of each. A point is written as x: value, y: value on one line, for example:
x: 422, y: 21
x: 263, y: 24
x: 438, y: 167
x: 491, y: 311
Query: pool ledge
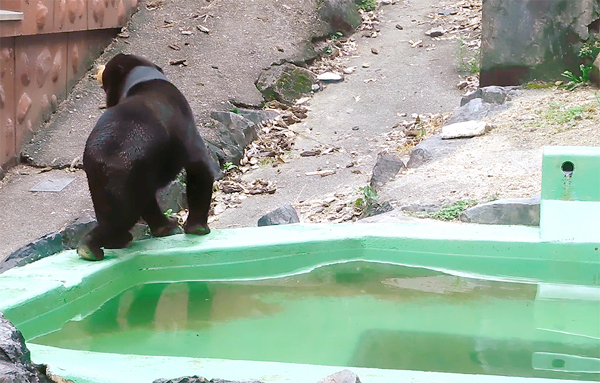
x: 117, y: 368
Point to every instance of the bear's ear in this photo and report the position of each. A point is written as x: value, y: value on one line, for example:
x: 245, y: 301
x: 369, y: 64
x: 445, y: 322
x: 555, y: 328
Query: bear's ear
x: 112, y: 83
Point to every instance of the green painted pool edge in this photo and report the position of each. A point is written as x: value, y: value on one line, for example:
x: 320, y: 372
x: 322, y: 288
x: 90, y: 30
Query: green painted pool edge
x: 66, y: 285
x: 113, y: 368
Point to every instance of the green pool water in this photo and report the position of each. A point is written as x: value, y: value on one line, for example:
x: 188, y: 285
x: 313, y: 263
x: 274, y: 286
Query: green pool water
x: 355, y: 314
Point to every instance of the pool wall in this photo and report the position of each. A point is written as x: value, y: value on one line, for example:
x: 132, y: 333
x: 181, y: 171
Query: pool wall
x: 40, y: 297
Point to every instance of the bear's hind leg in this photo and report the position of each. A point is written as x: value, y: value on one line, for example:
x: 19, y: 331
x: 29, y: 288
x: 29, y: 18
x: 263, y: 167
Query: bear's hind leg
x: 199, y: 194
x: 160, y: 225
x: 101, y: 236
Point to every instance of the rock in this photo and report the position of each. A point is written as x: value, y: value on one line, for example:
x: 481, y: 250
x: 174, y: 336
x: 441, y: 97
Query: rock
x: 512, y: 211
x: 172, y: 197
x: 330, y: 77
x: 432, y: 149
x: 15, y: 362
x: 447, y: 12
x: 425, y: 207
x: 491, y: 94
x: 378, y: 208
x: 594, y: 75
x: 40, y: 248
x: 435, y: 32
x: 342, y: 15
x: 475, y: 109
x: 464, y: 129
x: 385, y: 169
x: 234, y: 133
x: 400, y: 27
x: 257, y: 116
x: 374, y: 51
x: 344, y: 376
x: 281, y: 216
x: 198, y: 379
x: 74, y: 231
x: 523, y: 40
x: 285, y: 83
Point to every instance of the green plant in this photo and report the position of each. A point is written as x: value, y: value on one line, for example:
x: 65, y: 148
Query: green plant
x: 328, y: 50
x: 337, y: 35
x: 560, y: 114
x: 588, y: 52
x: 467, y: 60
x: 577, y: 81
x: 367, y: 5
x: 169, y: 213
x: 449, y: 211
x: 235, y: 110
x: 368, y: 199
x: 229, y: 166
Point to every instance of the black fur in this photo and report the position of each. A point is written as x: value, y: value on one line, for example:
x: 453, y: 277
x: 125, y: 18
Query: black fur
x: 140, y: 144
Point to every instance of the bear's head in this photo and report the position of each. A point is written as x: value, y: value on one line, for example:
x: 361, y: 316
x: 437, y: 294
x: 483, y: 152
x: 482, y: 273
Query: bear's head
x: 113, y: 75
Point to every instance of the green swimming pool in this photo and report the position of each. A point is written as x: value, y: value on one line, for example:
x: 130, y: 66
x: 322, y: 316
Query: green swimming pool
x: 354, y: 314
x: 420, y: 302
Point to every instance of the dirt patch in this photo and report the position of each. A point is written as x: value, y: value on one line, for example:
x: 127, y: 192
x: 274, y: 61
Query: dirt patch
x: 506, y: 162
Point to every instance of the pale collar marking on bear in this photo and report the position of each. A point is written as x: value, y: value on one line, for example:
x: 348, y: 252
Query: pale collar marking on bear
x: 141, y: 74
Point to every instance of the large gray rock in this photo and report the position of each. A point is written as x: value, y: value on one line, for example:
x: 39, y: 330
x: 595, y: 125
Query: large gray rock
x: 431, y: 149
x: 492, y: 95
x: 513, y: 211
x: 281, y: 216
x: 285, y: 83
x: 76, y: 230
x: 524, y: 40
x: 595, y: 76
x: 40, y: 248
x: 199, y: 379
x: 342, y: 15
x: 15, y: 362
x: 234, y: 133
x: 385, y: 169
x: 344, y: 376
x: 475, y: 109
x: 172, y: 197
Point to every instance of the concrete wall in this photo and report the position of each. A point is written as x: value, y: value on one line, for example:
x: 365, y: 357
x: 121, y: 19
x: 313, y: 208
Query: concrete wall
x: 524, y: 40
x: 44, y: 49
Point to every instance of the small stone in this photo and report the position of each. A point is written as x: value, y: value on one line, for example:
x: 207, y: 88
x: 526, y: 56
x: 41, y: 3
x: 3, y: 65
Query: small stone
x: 349, y: 70
x: 400, y: 27
x: 374, y: 51
x: 366, y: 65
x: 464, y: 129
x: 330, y: 77
x: 344, y: 376
x: 174, y: 47
x: 178, y: 62
x: 279, y: 48
x: 315, y: 87
x: 310, y: 153
x: 447, y: 12
x: 435, y: 32
x: 123, y: 35
x: 187, y: 33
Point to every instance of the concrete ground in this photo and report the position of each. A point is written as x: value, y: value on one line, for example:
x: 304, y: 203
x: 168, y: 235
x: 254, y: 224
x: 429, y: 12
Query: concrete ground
x: 245, y: 37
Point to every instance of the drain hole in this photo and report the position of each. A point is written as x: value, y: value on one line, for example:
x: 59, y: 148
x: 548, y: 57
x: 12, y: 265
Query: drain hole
x: 558, y: 363
x: 567, y: 168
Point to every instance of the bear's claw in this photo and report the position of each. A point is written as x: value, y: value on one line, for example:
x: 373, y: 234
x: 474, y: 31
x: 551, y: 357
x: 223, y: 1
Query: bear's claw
x: 88, y: 254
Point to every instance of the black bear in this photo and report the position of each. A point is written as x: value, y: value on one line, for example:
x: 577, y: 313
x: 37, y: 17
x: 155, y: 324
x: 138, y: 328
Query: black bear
x: 140, y: 144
